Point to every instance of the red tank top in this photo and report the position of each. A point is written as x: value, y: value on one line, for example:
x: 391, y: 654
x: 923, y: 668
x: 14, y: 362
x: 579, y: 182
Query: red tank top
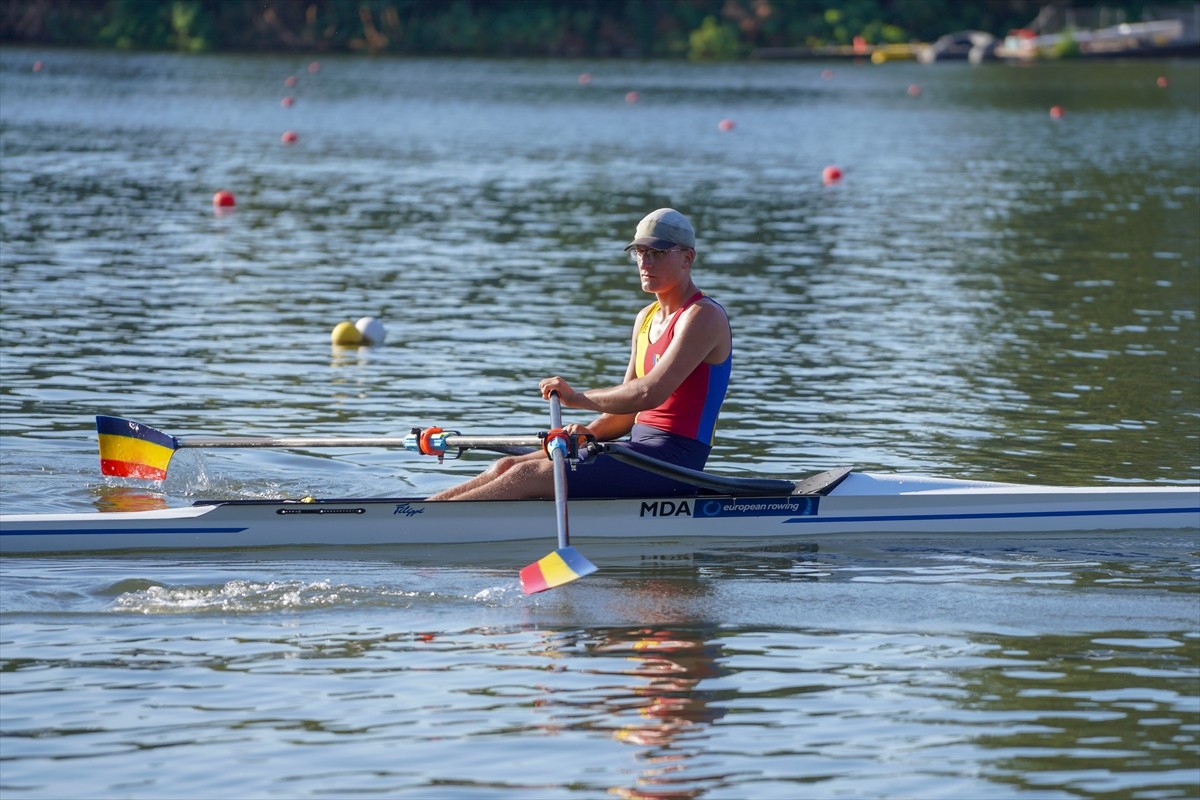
x: 692, y: 409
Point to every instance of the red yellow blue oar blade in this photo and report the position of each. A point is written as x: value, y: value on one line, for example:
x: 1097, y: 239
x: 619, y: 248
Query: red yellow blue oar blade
x: 562, y: 566
x: 130, y: 449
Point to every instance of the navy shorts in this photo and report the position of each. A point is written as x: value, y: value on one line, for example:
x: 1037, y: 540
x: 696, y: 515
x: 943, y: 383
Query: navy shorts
x: 605, y: 476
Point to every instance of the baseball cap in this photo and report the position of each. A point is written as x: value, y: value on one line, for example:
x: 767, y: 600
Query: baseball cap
x: 662, y: 230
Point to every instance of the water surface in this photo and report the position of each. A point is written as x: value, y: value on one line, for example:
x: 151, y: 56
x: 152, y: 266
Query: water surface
x: 988, y: 293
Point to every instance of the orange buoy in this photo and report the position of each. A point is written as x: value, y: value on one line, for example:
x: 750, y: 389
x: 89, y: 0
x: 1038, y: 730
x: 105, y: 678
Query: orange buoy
x: 1057, y: 112
x: 632, y: 97
x: 1163, y: 82
x: 287, y: 102
x: 224, y: 199
x: 289, y: 137
x: 831, y: 174
x: 725, y: 124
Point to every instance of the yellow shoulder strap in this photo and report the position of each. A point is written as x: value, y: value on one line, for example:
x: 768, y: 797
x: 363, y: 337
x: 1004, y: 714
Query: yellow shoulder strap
x: 643, y: 339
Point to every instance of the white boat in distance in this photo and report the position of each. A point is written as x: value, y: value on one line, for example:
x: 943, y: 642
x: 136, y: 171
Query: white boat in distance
x: 836, y: 503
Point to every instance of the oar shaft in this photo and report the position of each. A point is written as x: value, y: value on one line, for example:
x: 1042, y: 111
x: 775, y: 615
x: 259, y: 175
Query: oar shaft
x: 450, y: 441
x: 245, y: 441
x: 559, y: 459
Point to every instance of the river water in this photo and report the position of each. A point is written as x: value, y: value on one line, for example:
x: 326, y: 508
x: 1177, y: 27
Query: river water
x: 989, y: 292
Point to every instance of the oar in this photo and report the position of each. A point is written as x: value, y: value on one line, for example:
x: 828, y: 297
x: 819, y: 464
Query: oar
x: 566, y: 563
x: 131, y: 449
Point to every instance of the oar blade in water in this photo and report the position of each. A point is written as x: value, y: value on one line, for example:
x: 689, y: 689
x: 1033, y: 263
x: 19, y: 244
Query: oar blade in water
x: 562, y: 566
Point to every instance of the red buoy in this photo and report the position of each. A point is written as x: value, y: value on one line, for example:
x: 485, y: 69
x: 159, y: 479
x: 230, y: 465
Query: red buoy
x: 831, y: 174
x: 1057, y: 112
x: 632, y: 97
x: 37, y: 67
x: 224, y: 199
x: 314, y: 68
x: 287, y: 102
x: 914, y: 90
x: 1163, y: 82
x: 289, y: 81
x: 289, y: 137
x: 585, y: 79
x: 725, y: 124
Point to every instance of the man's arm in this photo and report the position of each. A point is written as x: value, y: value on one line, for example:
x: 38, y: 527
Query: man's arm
x: 701, y: 334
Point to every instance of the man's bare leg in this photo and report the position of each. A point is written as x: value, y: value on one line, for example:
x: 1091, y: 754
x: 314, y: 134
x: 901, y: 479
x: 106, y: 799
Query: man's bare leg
x: 510, y: 478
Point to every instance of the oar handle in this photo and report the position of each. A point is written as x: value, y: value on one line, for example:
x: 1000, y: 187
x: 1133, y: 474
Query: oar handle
x: 555, y: 411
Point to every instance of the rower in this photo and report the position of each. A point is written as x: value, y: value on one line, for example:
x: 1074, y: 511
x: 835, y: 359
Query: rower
x: 681, y: 354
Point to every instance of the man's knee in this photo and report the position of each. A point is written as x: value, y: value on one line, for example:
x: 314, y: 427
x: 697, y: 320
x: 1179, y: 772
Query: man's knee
x: 505, y: 464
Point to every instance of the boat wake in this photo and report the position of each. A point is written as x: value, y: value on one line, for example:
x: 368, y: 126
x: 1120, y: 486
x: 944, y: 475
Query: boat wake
x: 254, y: 597
x: 246, y: 596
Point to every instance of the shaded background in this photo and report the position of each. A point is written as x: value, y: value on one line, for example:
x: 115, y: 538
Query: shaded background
x: 704, y: 29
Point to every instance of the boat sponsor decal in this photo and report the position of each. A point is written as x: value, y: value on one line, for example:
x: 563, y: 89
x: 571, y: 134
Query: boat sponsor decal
x: 665, y: 508
x: 407, y: 509
x: 290, y: 511
x: 758, y: 507
x: 702, y: 508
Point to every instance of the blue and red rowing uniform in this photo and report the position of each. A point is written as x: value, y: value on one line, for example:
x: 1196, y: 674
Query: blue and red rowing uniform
x: 692, y: 409
x: 679, y: 431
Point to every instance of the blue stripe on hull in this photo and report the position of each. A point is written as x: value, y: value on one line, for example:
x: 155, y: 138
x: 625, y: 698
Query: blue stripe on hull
x: 119, y: 531
x: 997, y: 515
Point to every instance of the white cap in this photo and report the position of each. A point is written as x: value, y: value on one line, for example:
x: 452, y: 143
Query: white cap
x: 662, y: 230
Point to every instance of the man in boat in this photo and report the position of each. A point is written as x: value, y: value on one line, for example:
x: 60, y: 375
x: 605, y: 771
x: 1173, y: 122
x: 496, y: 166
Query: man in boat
x: 679, y: 366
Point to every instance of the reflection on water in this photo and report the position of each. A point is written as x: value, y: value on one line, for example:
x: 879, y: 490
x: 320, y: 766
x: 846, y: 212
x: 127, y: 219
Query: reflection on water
x: 672, y: 711
x: 128, y: 498
x: 812, y: 706
x: 1096, y: 716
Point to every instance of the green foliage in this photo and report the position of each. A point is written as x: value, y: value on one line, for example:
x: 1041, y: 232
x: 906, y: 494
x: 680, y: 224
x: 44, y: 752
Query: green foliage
x: 1066, y: 47
x: 882, y: 33
x: 697, y: 29
x: 713, y: 41
x: 136, y: 24
x: 187, y: 24
x: 152, y: 25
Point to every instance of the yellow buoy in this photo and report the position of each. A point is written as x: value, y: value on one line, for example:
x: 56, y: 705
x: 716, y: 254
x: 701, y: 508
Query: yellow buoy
x: 346, y: 335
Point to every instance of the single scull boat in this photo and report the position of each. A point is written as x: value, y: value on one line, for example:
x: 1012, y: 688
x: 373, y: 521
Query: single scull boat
x: 834, y: 503
x: 838, y: 502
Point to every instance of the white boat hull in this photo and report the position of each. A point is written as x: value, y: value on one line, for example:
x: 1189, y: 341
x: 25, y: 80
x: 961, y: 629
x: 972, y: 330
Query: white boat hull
x: 862, y: 503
